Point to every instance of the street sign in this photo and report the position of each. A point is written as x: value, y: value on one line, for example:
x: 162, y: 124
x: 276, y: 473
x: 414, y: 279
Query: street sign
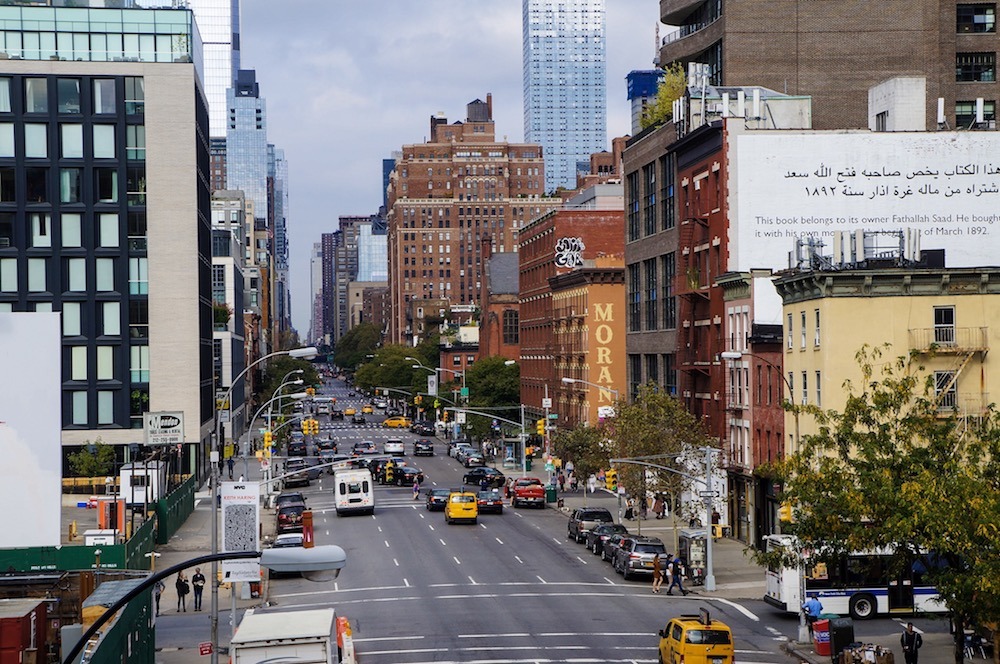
x: 205, y: 648
x: 708, y: 494
x: 163, y: 427
x: 553, y: 416
x: 546, y: 402
x: 460, y: 418
x: 432, y: 385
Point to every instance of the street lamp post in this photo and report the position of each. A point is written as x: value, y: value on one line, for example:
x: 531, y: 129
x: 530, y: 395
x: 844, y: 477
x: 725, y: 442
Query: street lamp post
x: 738, y: 355
x: 305, y: 353
x: 319, y: 563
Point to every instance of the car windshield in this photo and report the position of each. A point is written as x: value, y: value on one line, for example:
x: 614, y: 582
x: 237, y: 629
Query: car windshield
x: 707, y: 636
x: 463, y: 499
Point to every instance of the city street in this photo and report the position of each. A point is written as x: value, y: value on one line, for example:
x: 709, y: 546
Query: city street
x: 511, y: 588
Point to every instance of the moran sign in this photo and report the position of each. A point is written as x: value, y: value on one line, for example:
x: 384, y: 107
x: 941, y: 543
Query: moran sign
x: 604, y: 336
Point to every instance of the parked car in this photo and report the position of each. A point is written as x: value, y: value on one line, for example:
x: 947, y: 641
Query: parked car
x: 461, y: 450
x: 297, y: 473
x: 423, y: 446
x: 290, y: 517
x: 288, y: 498
x: 288, y: 540
x: 611, y: 546
x: 437, y: 499
x: 635, y: 556
x: 598, y: 535
x: 584, y: 518
x: 473, y: 459
x: 475, y: 476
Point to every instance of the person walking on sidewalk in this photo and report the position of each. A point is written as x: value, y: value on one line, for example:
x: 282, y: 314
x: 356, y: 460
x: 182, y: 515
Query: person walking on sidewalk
x: 657, y: 573
x: 198, y: 581
x: 157, y: 591
x: 183, y: 588
x: 911, y: 642
x: 675, y: 570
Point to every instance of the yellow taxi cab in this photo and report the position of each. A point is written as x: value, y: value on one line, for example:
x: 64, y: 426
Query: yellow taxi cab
x: 397, y: 422
x: 696, y: 639
x: 368, y: 409
x: 461, y: 506
x: 350, y: 410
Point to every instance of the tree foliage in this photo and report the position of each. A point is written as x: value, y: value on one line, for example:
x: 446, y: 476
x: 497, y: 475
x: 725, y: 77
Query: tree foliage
x: 492, y: 385
x: 586, y: 446
x: 93, y: 460
x: 671, y: 88
x: 274, y: 375
x: 892, y: 471
x: 390, y: 368
x: 361, y: 340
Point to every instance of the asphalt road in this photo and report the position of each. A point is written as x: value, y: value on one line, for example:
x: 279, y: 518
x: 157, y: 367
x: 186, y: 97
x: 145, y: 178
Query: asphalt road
x: 509, y: 589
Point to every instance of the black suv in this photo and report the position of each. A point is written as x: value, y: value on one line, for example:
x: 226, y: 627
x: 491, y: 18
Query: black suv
x: 423, y: 446
x: 636, y: 556
x: 336, y: 414
x: 598, y: 535
x: 585, y: 518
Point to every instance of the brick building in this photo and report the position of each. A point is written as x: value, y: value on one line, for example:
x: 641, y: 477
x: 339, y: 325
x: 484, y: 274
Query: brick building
x: 447, y: 195
x: 835, y: 51
x: 554, y: 244
x: 499, y: 319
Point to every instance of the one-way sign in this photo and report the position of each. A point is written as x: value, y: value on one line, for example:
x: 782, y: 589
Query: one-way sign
x: 708, y: 494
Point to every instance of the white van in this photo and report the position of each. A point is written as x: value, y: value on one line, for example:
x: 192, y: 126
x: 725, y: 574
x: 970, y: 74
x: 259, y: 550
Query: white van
x: 354, y: 491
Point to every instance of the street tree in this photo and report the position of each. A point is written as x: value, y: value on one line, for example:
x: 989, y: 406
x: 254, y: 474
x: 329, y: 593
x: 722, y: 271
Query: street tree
x: 655, y: 424
x: 493, y: 384
x: 585, y: 446
x: 357, y: 342
x: 95, y: 459
x: 893, y: 470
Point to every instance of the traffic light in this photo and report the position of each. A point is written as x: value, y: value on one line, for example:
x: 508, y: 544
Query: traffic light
x: 268, y: 439
x: 785, y: 512
x: 315, y: 426
x: 311, y: 391
x: 418, y: 399
x: 540, y: 427
x: 444, y: 416
x: 305, y: 426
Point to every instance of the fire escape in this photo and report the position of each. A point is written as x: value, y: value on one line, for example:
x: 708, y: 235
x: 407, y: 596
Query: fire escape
x: 957, y: 352
x: 692, y: 287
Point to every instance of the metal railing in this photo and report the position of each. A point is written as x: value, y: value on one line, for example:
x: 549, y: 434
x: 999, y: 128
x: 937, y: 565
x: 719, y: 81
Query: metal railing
x: 948, y: 338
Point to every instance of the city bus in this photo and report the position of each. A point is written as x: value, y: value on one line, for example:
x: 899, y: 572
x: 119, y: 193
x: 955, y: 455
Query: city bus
x: 862, y: 585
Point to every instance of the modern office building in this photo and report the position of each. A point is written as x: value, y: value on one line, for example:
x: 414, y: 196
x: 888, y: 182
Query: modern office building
x: 316, y: 292
x: 814, y: 49
x: 229, y: 290
x: 345, y: 270
x: 105, y: 213
x: 246, y: 142
x: 565, y: 102
x: 373, y: 261
x: 445, y: 197
x: 642, y: 87
x: 277, y: 195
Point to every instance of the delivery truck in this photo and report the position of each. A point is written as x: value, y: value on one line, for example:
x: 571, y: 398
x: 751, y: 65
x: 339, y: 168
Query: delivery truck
x: 308, y: 637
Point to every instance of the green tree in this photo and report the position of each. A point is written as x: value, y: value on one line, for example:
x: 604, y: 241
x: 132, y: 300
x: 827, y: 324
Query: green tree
x: 586, y: 446
x: 892, y: 471
x: 93, y: 460
x: 656, y: 424
x: 277, y: 368
x: 361, y: 340
x: 493, y: 384
x: 671, y: 88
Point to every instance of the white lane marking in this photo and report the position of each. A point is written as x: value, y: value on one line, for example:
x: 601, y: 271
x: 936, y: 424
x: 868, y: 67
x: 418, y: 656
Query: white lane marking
x: 581, y: 560
x: 540, y: 579
x: 380, y: 528
x: 389, y: 638
x: 518, y: 560
x: 473, y: 581
x: 396, y: 562
x: 386, y: 543
x: 482, y: 525
x: 443, y: 543
x: 742, y: 609
x: 772, y: 630
x: 457, y: 561
x: 405, y: 582
x: 429, y: 525
x: 422, y: 516
x: 609, y: 581
x: 499, y: 541
x: 903, y: 623
x: 556, y: 540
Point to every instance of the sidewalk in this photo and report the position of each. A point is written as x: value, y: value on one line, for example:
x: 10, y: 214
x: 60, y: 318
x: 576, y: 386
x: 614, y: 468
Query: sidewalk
x: 938, y: 648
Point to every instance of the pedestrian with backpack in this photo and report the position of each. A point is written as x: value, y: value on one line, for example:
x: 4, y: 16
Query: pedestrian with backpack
x: 675, y: 570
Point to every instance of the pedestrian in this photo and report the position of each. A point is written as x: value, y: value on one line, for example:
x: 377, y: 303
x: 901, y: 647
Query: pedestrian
x: 230, y: 462
x: 561, y: 479
x: 630, y: 509
x: 183, y: 588
x: 911, y: 642
x: 592, y: 483
x: 157, y: 591
x: 574, y: 485
x: 198, y: 581
x: 675, y: 570
x: 569, y: 468
x: 657, y: 573
x: 813, y: 609
x: 416, y: 489
x: 658, y: 507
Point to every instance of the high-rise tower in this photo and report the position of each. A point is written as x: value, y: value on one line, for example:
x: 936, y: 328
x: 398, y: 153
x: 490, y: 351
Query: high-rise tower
x: 565, y: 102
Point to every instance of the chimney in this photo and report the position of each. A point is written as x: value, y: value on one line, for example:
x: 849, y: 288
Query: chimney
x: 489, y: 105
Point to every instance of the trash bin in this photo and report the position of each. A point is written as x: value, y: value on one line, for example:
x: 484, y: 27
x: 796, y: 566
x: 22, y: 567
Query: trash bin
x: 841, y: 635
x: 527, y: 463
x: 550, y: 494
x: 821, y: 637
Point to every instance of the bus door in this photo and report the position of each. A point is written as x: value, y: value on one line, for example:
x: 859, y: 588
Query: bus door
x: 901, y: 592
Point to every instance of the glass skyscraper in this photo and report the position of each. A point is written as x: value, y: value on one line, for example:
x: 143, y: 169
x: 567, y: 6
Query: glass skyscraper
x: 565, y: 101
x: 246, y: 142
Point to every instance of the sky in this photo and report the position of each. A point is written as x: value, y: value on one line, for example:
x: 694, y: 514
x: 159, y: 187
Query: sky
x: 347, y: 82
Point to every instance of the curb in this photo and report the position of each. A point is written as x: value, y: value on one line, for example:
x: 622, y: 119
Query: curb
x: 803, y: 653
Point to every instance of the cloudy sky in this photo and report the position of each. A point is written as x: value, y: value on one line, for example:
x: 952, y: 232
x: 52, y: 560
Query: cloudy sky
x: 349, y: 81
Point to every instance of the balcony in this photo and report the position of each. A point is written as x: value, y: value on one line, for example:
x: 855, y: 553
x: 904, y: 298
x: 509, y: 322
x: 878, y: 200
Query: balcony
x: 673, y: 12
x: 963, y: 404
x: 948, y: 339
